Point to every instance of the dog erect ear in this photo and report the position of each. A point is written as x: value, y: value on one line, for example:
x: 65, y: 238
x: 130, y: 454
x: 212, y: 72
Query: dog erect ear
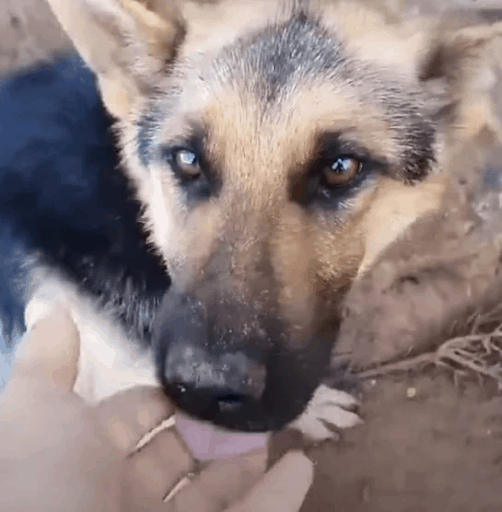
x: 129, y: 44
x: 459, y: 67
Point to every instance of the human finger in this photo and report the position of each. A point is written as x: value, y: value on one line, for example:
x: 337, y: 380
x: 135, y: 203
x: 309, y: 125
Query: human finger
x: 135, y: 415
x: 283, y: 488
x: 49, y: 351
x: 223, y: 482
x: 155, y: 469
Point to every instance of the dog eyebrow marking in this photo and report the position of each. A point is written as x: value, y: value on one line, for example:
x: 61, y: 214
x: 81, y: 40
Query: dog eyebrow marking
x: 332, y: 144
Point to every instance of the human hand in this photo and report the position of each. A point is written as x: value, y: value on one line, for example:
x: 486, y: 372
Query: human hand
x: 56, y: 453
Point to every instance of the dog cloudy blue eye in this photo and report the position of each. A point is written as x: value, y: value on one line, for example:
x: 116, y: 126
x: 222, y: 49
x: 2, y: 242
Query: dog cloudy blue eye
x: 187, y: 163
x: 187, y: 158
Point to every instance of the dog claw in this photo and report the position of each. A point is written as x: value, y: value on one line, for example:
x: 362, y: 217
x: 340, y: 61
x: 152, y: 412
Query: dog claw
x: 328, y: 407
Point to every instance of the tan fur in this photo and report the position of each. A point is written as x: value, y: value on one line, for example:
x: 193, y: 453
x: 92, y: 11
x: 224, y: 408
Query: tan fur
x: 130, y: 44
x: 394, y: 208
x: 214, y: 24
x: 375, y: 34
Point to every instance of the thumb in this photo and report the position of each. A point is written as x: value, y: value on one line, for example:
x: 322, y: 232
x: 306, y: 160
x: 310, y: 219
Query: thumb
x: 49, y: 351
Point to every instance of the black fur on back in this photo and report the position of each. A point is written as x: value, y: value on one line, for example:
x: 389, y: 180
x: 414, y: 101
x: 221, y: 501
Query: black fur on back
x: 63, y: 198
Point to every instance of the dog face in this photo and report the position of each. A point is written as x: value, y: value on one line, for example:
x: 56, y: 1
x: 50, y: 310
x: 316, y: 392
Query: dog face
x: 262, y: 160
x: 275, y: 154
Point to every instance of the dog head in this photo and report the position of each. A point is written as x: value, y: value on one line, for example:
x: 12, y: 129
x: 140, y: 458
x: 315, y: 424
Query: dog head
x: 277, y: 148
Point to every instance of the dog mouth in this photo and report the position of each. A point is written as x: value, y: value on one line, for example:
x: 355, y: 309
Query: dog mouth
x: 207, y: 441
x: 228, y: 411
x: 287, y: 388
x: 239, y: 382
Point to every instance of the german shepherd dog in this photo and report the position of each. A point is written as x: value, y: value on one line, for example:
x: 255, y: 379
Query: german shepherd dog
x: 263, y: 154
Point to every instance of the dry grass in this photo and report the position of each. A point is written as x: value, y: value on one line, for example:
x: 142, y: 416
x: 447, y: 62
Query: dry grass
x: 479, y: 352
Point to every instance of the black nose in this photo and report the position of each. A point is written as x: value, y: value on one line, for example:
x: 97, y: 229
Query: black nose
x: 212, y: 385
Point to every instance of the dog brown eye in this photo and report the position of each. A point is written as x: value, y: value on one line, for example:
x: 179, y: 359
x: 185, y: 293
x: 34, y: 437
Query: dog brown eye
x: 342, y: 171
x: 187, y: 164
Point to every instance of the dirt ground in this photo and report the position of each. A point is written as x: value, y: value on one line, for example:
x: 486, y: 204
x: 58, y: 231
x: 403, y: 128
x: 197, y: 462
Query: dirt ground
x: 428, y: 443
x: 438, y: 450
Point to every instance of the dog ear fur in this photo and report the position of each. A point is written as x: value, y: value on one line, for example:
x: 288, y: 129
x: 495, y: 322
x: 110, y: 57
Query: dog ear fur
x: 458, y: 69
x: 129, y: 44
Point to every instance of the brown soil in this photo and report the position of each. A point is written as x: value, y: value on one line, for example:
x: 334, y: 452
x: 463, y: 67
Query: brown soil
x: 426, y: 445
x: 28, y: 32
x: 429, y: 443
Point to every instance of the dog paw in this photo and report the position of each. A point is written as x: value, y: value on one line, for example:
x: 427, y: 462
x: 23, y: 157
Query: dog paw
x: 327, y: 407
